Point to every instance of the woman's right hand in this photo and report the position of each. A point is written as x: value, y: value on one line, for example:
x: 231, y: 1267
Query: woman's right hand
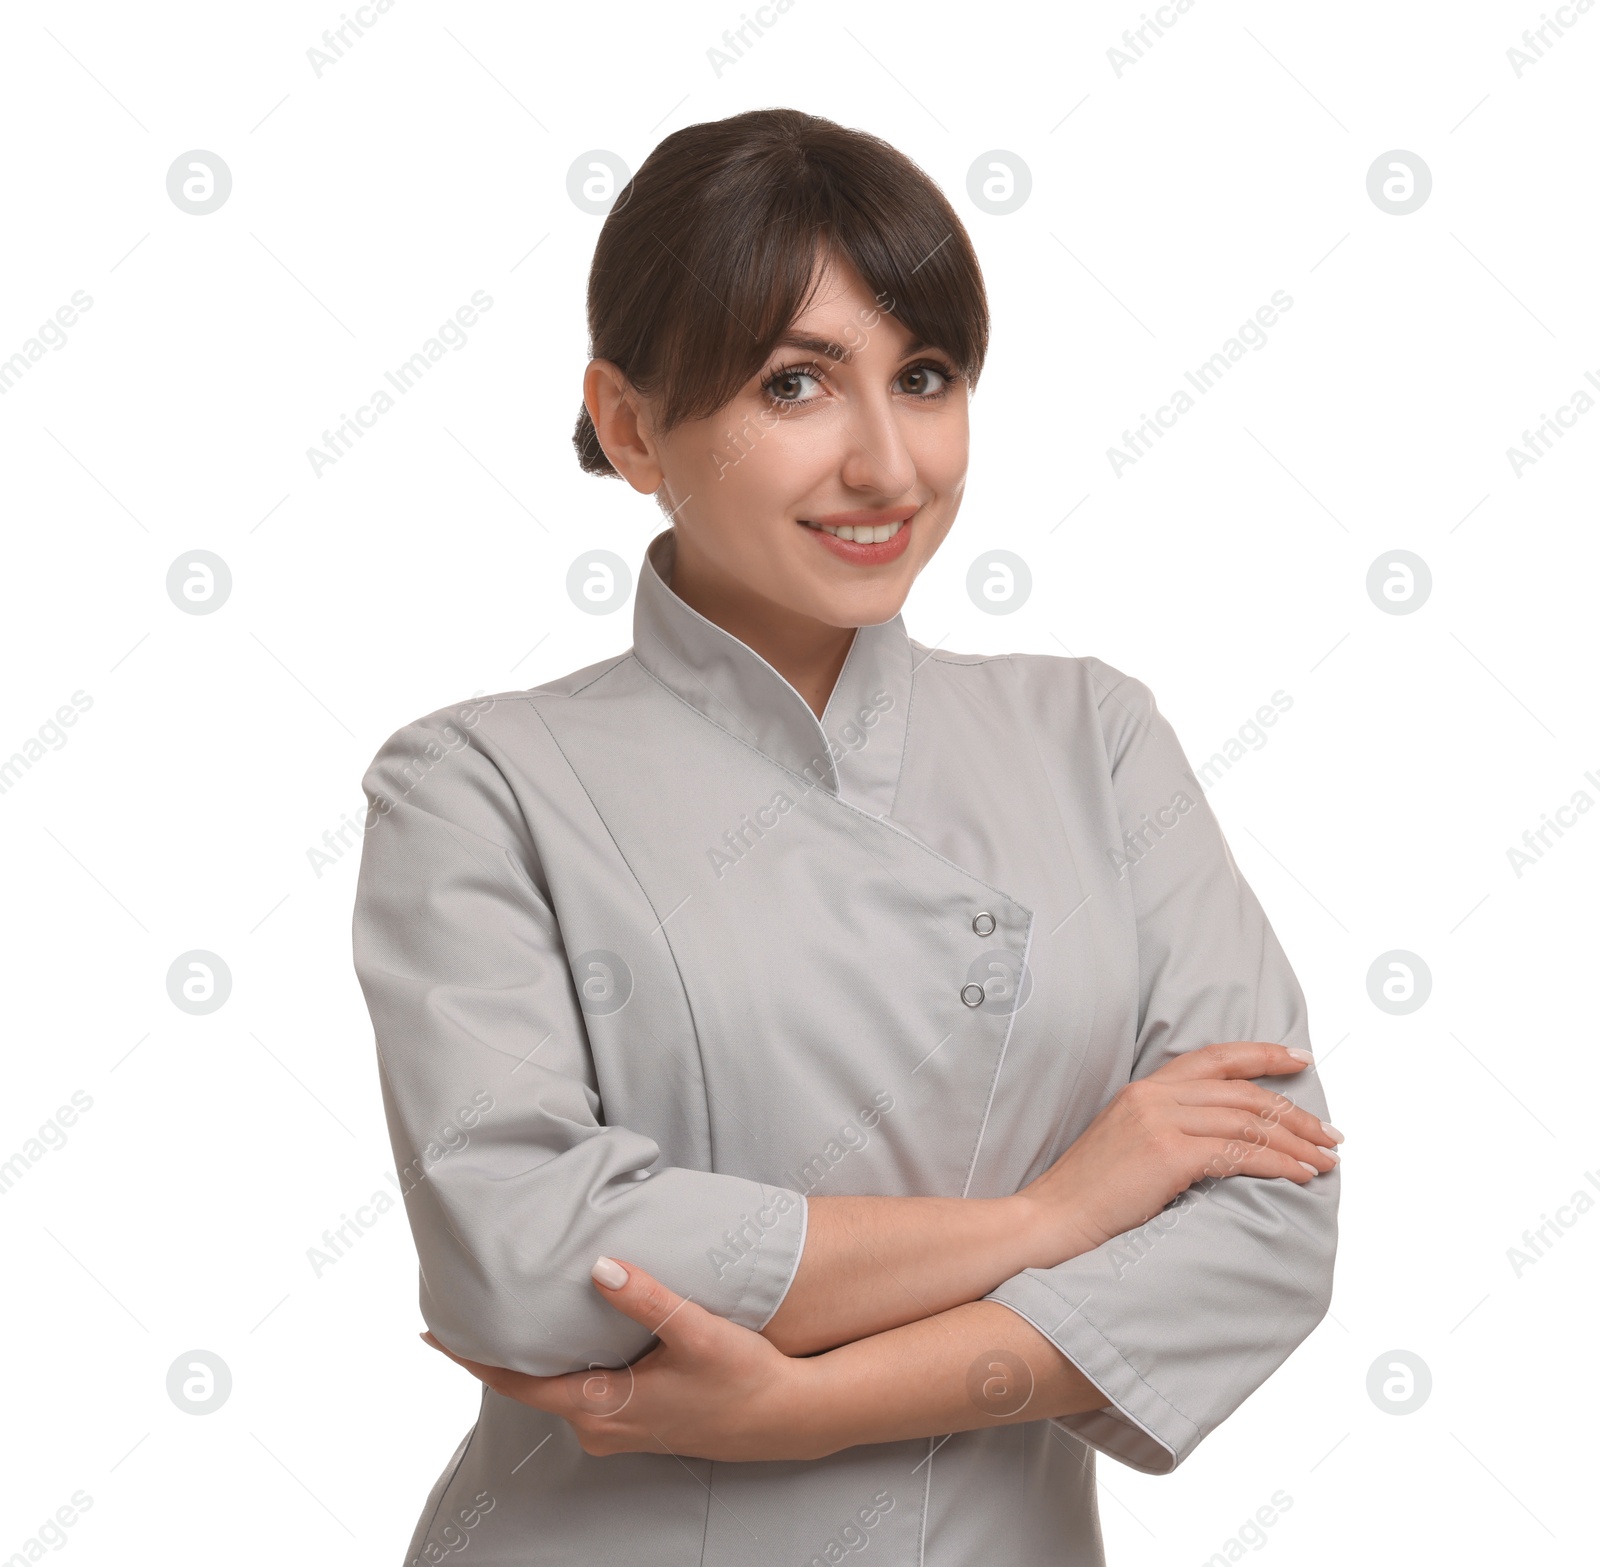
x: 1194, y: 1116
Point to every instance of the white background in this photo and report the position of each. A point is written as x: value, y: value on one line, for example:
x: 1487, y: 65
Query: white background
x: 1167, y: 204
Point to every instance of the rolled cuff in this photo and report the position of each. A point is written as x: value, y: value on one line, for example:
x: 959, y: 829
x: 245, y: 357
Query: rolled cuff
x: 1139, y: 1428
x: 513, y: 1288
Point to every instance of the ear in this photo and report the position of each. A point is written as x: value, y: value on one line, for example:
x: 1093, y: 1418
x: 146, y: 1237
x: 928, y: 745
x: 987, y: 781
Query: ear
x: 622, y: 425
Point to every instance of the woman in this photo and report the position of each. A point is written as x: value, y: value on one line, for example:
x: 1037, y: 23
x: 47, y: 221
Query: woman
x: 846, y: 1084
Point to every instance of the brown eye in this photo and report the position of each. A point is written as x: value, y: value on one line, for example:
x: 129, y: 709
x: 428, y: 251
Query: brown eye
x: 925, y: 380
x: 788, y: 385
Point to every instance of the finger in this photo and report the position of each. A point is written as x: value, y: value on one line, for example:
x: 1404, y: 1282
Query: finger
x: 673, y: 1318
x: 1236, y: 1156
x: 1216, y: 1121
x: 1266, y: 1103
x: 551, y: 1393
x: 1237, y: 1058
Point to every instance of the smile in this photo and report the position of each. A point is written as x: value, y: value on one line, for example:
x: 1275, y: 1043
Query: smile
x: 860, y: 533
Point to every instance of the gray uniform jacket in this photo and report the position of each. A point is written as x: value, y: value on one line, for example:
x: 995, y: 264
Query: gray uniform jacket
x: 651, y: 956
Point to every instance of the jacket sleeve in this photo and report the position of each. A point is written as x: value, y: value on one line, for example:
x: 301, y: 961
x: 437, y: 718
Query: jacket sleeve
x: 1180, y: 1321
x: 514, y: 1180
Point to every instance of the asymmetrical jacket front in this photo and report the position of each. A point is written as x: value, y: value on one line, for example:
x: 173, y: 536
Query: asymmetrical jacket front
x: 653, y: 955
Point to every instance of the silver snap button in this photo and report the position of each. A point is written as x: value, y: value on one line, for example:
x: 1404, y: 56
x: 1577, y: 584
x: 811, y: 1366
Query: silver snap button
x: 972, y: 995
x: 983, y: 924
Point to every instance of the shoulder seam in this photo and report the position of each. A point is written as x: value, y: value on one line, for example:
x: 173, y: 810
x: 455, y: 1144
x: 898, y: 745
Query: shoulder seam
x: 619, y: 659
x: 533, y: 693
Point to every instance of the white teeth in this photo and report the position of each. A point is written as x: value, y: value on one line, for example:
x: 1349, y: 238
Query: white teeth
x: 864, y: 533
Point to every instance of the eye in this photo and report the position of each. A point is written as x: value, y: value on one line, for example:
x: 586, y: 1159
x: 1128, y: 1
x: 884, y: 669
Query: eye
x: 786, y: 386
x: 918, y: 375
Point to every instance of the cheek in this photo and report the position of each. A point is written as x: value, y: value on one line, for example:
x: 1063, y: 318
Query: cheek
x: 776, y: 468
x: 939, y: 444
x: 751, y: 511
x: 748, y: 513
x: 939, y: 448
x: 739, y: 468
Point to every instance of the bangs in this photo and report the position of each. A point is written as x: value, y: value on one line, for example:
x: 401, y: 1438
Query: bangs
x: 742, y: 292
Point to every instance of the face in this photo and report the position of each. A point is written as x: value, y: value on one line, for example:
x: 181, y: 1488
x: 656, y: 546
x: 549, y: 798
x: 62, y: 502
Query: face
x: 827, y: 483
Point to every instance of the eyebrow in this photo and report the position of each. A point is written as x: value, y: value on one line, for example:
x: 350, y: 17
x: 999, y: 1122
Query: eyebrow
x: 833, y: 350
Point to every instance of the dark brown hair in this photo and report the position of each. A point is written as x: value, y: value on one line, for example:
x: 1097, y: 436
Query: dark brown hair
x: 712, y: 250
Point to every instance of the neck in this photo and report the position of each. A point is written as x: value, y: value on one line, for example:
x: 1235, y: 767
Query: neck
x: 808, y: 653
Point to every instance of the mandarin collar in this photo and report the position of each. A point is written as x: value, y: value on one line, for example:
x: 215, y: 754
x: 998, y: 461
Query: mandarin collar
x: 853, y: 752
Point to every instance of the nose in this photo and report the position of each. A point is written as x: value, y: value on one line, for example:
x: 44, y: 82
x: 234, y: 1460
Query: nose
x: 876, y: 458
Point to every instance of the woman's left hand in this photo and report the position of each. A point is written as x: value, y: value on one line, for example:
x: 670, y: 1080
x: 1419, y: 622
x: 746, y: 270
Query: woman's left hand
x: 709, y: 1389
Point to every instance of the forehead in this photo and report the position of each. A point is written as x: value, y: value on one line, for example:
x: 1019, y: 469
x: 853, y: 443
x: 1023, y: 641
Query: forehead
x: 845, y: 316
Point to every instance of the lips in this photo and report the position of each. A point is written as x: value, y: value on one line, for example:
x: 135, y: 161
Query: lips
x: 871, y: 541
x: 861, y: 532
x: 863, y: 538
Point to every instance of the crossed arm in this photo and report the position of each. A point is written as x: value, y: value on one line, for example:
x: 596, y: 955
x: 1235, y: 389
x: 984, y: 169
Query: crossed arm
x: 884, y: 1334
x: 711, y: 1389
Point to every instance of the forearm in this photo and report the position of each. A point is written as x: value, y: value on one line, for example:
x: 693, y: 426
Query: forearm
x: 977, y: 1365
x: 871, y: 1264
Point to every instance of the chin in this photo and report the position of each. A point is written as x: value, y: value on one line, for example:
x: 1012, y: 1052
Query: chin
x: 864, y: 606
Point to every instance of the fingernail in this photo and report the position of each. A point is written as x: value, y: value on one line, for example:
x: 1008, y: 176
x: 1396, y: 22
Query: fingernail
x: 1311, y: 1167
x: 1298, y: 1053
x: 1333, y: 1131
x: 611, y: 1274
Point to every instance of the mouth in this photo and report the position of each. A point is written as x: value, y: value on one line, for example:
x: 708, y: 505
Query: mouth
x: 865, y: 539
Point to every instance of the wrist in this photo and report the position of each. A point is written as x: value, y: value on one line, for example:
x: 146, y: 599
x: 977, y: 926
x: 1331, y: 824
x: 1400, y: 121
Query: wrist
x: 1035, y: 1224
x: 1052, y: 1223
x: 811, y: 1401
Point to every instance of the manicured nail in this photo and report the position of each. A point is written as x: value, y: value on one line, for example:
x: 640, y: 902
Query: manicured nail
x: 1298, y: 1053
x: 1311, y: 1167
x: 611, y: 1274
x: 1333, y: 1131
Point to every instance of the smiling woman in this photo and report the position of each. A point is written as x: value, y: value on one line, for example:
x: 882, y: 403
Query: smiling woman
x: 705, y: 1334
